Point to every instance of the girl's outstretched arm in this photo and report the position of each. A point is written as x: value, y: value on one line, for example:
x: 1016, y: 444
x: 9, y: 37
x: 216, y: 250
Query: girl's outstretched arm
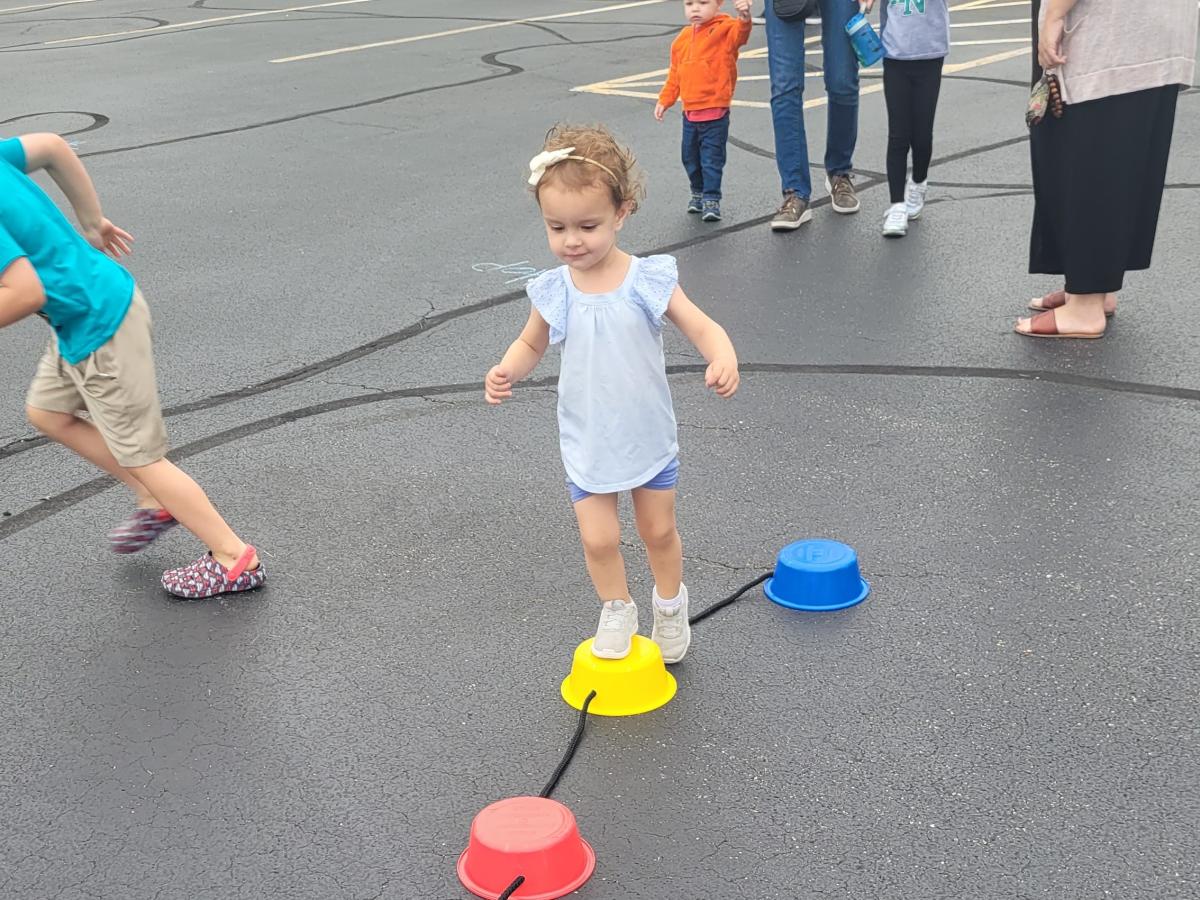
x: 521, y: 359
x: 710, y: 339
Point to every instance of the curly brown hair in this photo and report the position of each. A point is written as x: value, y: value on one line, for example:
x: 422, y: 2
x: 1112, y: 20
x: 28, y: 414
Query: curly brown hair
x: 596, y: 143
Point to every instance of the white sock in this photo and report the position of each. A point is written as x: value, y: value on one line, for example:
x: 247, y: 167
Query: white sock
x: 674, y: 602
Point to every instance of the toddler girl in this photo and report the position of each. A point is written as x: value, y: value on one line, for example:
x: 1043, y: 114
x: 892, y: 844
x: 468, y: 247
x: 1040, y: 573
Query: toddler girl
x: 916, y: 41
x: 616, y: 422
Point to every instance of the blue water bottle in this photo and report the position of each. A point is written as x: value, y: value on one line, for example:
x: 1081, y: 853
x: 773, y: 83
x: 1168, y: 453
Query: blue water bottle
x: 867, y: 46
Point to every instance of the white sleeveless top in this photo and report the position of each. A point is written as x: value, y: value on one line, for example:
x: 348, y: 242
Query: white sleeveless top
x: 616, y: 423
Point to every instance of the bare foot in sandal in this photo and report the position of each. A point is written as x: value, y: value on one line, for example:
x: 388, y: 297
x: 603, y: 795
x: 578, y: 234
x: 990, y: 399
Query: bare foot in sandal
x: 1081, y: 316
x: 1055, y: 299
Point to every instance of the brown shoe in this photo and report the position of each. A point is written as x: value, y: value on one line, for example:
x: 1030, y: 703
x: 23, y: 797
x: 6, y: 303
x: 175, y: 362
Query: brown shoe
x: 841, y: 189
x: 792, y: 214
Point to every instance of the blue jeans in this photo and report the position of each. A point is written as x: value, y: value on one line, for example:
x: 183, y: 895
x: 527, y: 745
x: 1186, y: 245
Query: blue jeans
x: 704, y: 154
x: 785, y: 62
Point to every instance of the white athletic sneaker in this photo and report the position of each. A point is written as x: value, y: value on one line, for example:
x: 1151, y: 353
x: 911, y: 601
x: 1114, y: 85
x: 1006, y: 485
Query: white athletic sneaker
x: 896, y: 222
x: 614, y: 634
x: 914, y: 197
x: 671, y: 632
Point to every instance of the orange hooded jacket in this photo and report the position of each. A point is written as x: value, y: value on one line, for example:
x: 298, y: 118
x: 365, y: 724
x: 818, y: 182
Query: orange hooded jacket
x: 704, y: 64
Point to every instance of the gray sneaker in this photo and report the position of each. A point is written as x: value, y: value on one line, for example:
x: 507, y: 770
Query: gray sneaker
x: 792, y: 214
x: 672, y: 632
x: 841, y: 189
x: 614, y: 634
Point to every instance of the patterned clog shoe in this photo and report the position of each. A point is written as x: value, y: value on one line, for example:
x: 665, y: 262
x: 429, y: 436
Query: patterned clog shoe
x: 140, y: 530
x: 208, y: 578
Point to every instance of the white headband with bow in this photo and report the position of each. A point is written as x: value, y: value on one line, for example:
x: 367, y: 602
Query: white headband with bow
x: 547, y: 158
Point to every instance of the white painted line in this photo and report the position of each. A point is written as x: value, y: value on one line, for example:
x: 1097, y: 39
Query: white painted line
x: 1020, y: 40
x: 438, y: 34
x: 12, y: 9
x: 159, y: 28
x: 993, y: 22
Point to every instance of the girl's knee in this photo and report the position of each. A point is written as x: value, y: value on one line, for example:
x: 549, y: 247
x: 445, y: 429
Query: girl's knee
x: 601, y: 544
x: 658, y: 533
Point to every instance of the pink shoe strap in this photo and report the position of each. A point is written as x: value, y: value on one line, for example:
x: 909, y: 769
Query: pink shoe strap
x: 240, y: 566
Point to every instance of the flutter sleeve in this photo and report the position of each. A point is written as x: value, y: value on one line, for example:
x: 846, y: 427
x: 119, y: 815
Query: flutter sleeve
x: 549, y: 295
x: 653, y: 285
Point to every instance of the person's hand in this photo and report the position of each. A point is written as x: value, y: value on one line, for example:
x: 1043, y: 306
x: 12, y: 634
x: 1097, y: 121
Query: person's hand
x: 110, y: 239
x: 865, y: 6
x: 659, y: 110
x: 722, y: 376
x: 496, y: 386
x: 1050, y: 40
x: 743, y: 8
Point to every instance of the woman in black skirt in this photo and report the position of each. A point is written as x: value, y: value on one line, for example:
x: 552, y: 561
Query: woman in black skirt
x: 1099, y: 170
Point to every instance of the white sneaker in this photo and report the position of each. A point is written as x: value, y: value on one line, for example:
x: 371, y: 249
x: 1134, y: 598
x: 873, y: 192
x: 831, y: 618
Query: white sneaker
x: 671, y: 631
x: 896, y: 222
x: 914, y: 197
x: 614, y: 634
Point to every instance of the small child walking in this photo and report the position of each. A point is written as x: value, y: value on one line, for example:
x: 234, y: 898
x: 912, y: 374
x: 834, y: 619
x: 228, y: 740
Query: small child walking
x: 100, y: 360
x: 916, y: 41
x: 606, y: 310
x: 704, y: 71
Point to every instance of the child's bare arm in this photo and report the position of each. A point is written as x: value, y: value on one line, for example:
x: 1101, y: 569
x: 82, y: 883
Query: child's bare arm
x: 710, y: 339
x: 522, y: 358
x: 51, y: 153
x: 21, y: 292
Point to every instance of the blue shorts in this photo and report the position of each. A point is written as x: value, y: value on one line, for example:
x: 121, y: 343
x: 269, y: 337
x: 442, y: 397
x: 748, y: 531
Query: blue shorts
x: 663, y: 481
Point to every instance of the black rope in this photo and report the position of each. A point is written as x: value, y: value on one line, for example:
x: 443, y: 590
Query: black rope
x: 517, y: 882
x: 570, y: 754
x: 721, y: 604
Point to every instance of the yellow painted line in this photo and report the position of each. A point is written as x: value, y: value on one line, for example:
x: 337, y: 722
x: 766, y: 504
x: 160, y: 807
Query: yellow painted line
x: 986, y: 60
x: 607, y: 91
x: 43, y: 6
x: 438, y: 34
x: 160, y: 28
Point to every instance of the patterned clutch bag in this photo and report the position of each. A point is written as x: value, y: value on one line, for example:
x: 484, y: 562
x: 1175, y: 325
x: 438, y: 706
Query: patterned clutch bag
x: 1046, y: 95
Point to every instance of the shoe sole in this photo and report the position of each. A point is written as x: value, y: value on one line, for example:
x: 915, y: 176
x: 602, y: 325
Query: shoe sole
x: 805, y: 217
x: 672, y: 660
x: 611, y: 654
x: 912, y: 217
x: 709, y: 217
x: 895, y: 234
x: 695, y: 212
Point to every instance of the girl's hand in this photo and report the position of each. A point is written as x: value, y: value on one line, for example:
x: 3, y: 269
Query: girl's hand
x: 659, y: 109
x: 722, y: 376
x: 1050, y: 40
x: 496, y: 386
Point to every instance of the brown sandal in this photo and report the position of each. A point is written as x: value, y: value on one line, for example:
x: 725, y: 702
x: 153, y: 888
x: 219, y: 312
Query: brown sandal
x: 1054, y: 300
x: 1045, y: 325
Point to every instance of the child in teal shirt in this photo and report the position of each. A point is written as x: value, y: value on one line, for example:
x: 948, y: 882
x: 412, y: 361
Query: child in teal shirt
x: 100, y: 360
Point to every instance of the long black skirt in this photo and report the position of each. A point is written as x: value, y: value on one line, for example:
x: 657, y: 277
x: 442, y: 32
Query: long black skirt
x: 1098, y: 176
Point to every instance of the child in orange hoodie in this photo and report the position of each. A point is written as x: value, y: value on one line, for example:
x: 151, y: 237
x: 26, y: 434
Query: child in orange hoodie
x: 704, y: 71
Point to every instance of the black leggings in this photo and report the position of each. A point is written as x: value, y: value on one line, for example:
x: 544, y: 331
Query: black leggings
x: 911, y: 87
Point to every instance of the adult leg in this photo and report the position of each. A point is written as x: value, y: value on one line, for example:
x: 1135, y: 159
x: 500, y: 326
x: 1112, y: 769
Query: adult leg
x: 600, y: 531
x: 655, y: 513
x: 841, y: 86
x: 926, y: 85
x: 785, y: 63
x: 897, y: 92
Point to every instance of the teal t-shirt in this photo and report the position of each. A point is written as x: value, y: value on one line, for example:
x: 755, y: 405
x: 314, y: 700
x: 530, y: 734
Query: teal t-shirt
x: 87, y: 293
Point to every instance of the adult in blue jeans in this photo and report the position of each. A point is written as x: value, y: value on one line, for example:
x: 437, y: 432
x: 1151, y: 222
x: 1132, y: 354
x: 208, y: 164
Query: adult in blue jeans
x: 785, y: 58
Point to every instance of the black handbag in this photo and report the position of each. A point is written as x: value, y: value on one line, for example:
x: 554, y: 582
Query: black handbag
x: 797, y: 9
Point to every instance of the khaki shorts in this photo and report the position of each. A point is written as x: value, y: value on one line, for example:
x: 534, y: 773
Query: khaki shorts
x: 116, y: 386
